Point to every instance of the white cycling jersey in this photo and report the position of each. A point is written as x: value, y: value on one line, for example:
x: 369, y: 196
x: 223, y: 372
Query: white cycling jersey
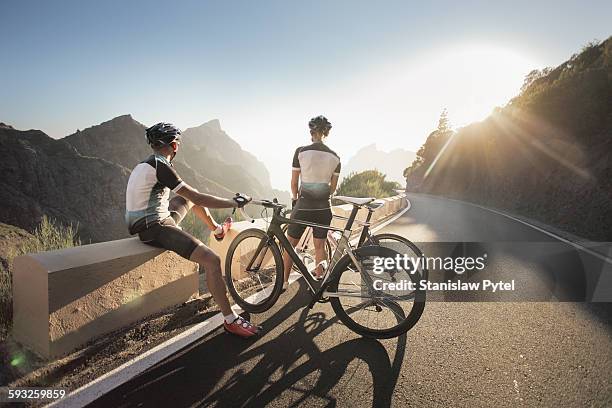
x: 148, y: 192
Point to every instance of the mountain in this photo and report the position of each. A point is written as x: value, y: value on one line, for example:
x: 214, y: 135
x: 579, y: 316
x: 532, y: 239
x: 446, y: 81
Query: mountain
x: 391, y: 164
x: 208, y: 158
x: 42, y: 175
x: 547, y: 154
x: 211, y: 152
x: 121, y: 140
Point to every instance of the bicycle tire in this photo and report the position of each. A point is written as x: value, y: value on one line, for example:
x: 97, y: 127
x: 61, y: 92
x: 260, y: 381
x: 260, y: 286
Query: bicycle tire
x: 278, y: 280
x: 377, y: 238
x: 343, y: 266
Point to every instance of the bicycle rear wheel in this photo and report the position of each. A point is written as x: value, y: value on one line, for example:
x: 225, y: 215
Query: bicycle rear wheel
x: 364, y: 300
x: 254, y: 271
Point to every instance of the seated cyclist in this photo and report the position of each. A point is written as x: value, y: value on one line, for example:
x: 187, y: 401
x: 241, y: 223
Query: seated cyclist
x: 155, y: 218
x: 318, y: 169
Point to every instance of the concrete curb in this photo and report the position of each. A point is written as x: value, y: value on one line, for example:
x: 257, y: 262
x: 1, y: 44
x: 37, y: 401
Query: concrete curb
x: 88, y: 393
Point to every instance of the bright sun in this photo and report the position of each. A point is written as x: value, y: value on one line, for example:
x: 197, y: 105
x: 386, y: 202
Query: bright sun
x: 479, y: 78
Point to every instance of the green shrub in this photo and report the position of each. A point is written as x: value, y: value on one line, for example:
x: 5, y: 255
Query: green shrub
x: 369, y: 183
x: 48, y: 236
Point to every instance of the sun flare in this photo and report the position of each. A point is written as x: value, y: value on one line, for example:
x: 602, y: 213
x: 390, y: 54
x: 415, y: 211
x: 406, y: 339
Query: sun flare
x: 483, y: 77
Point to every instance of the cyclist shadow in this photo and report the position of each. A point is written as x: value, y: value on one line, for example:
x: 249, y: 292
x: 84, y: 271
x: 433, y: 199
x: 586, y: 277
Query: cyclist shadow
x: 289, y: 362
x: 320, y: 371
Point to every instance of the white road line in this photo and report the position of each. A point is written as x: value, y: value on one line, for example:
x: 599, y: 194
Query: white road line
x: 125, y: 372
x: 553, y: 235
x: 576, y: 245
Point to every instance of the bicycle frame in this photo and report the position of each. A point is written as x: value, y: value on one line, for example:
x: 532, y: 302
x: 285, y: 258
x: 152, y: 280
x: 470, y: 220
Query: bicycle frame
x: 331, y: 238
x: 275, y: 232
x: 365, y: 231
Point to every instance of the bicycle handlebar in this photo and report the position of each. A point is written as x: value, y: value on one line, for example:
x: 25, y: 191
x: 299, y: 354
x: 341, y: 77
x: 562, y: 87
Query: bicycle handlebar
x: 264, y: 203
x: 245, y: 215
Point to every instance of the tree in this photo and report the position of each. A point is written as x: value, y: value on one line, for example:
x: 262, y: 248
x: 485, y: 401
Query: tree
x: 369, y: 183
x: 533, y: 76
x: 430, y: 149
x: 443, y: 122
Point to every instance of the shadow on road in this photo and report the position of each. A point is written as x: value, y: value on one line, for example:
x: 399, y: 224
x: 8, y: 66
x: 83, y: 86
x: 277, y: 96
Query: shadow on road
x: 287, y: 368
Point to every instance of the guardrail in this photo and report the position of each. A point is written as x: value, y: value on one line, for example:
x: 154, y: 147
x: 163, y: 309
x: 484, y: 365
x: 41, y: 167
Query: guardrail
x: 64, y: 299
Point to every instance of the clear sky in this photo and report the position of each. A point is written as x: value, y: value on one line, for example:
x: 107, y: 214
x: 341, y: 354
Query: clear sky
x: 381, y: 71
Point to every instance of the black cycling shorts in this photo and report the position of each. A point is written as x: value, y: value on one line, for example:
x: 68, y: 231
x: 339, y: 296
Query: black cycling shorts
x: 317, y: 211
x: 166, y: 234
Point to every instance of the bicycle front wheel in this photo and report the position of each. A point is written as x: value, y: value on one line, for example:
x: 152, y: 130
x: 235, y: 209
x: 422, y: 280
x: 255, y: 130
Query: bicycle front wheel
x: 374, y: 303
x: 254, y: 271
x: 404, y: 246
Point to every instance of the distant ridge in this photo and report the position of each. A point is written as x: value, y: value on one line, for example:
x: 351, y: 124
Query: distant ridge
x: 392, y: 163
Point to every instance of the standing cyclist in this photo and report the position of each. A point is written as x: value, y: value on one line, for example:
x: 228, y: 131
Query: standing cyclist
x: 155, y: 218
x: 318, y: 167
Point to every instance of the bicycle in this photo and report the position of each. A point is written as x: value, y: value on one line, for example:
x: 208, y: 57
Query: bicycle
x: 254, y: 275
x: 305, y: 245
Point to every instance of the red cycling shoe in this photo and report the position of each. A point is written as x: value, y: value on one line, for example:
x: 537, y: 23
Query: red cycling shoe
x: 242, y: 328
x: 227, y: 224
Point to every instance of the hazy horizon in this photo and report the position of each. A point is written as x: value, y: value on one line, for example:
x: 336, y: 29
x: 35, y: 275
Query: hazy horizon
x: 382, y: 74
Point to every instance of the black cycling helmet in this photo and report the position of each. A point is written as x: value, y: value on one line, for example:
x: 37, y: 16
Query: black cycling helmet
x: 320, y: 123
x: 162, y: 134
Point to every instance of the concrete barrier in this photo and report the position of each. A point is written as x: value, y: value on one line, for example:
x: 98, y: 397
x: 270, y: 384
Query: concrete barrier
x: 63, y: 299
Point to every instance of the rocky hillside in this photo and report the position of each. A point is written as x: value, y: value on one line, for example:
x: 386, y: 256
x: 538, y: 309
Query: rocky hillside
x: 42, y: 175
x: 546, y: 155
x: 208, y: 159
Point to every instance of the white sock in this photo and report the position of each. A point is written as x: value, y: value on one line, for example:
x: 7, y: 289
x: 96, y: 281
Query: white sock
x: 285, y: 285
x: 218, y: 230
x: 230, y: 317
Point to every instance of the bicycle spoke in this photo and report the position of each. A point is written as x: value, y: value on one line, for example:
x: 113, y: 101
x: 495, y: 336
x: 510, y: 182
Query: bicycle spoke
x: 260, y: 282
x: 394, y: 312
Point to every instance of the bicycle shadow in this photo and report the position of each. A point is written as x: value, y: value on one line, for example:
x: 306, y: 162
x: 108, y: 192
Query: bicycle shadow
x: 279, y: 369
x: 255, y: 389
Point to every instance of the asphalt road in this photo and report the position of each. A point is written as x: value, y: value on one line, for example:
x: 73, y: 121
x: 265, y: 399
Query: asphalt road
x: 468, y: 354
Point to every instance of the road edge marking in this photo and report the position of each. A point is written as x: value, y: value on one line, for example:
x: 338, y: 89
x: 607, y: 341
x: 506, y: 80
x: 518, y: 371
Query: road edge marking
x: 576, y: 245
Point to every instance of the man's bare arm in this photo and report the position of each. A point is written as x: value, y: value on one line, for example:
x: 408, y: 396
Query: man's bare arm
x: 295, y: 178
x: 205, y: 200
x: 333, y: 183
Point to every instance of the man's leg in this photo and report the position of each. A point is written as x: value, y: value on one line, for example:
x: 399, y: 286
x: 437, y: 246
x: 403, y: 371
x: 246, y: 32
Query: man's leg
x: 319, y: 237
x: 214, y: 280
x: 320, y: 255
x: 204, y: 215
x: 287, y: 261
x: 167, y: 235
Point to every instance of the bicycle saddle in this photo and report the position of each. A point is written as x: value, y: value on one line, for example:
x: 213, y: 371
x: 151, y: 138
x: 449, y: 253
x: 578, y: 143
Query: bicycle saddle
x: 355, y: 200
x: 375, y: 205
